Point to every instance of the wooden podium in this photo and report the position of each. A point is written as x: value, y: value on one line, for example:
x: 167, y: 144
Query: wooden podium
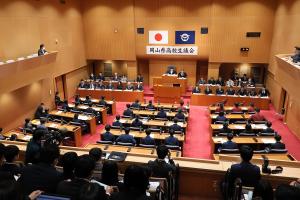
x: 167, y: 93
x: 171, y: 80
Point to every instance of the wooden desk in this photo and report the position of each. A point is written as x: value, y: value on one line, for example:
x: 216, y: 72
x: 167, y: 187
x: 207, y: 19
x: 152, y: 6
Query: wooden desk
x: 114, y: 83
x: 230, y: 117
x: 238, y: 127
x: 270, y: 156
x: 172, y: 107
x: 225, y: 88
x: 117, y: 95
x: 91, y: 120
x: 110, y: 104
x: 170, y: 80
x: 213, y: 109
x: 153, y: 114
x: 101, y: 110
x: 167, y: 93
x: 207, y: 100
x: 75, y: 131
x: 20, y: 135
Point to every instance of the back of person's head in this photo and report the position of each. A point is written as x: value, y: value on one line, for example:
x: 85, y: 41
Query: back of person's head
x: 171, y: 132
x: 90, y: 191
x: 13, y: 137
x: 277, y: 138
x: 248, y: 127
x: 90, y: 105
x: 148, y: 131
x: 222, y: 106
x: 27, y: 120
x: 68, y: 161
x: 150, y: 101
x: 38, y: 134
x: 76, y: 115
x: 127, y: 130
x: 246, y: 153
x: 110, y: 173
x: 137, y: 101
x: 225, y: 125
x: 236, y: 104
x: 118, y: 117
x: 137, y: 117
x: 284, y: 192
x: 49, y: 153
x: 136, y: 179
x: 1, y: 129
x: 76, y: 104
x: 11, y: 153
x: 96, y: 153
x: 269, y: 124
x: 221, y: 113
x: 179, y: 110
x: 181, y: 102
x: 162, y: 151
x: 43, y: 121
x: 2, y: 150
x: 128, y: 105
x: 252, y: 104
x: 175, y: 120
x: 107, y: 127
x: 9, y: 189
x: 257, y: 110
x: 102, y: 97
x: 84, y: 166
x: 229, y: 136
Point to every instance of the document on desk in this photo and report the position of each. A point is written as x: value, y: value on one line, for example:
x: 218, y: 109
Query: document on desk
x: 268, y: 141
x: 59, y: 112
x: 82, y: 117
x: 153, y: 186
x: 27, y: 137
x: 239, y: 127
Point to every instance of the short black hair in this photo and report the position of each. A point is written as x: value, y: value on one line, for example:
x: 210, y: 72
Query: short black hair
x: 257, y: 110
x: 43, y: 120
x: 221, y: 113
x: 171, y: 132
x: 76, y: 115
x: 2, y: 150
x: 237, y: 104
x: 96, y: 153
x: 136, y: 178
x: 148, y: 131
x: 90, y: 191
x: 68, y: 161
x: 27, y: 120
x: 38, y: 134
x: 128, y: 105
x: 118, y: 117
x: 41, y: 46
x: 162, y: 151
x: 110, y: 172
x: 127, y: 130
x: 107, y: 127
x: 285, y: 191
x: 1, y: 129
x: 175, y: 120
x: 229, y: 136
x: 269, y: 124
x: 84, y: 166
x: 11, y: 151
x: 277, y: 138
x: 179, y: 110
x: 49, y: 153
x: 246, y: 153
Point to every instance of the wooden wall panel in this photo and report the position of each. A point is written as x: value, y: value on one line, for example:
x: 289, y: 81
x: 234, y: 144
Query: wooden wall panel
x: 109, y: 29
x: 143, y: 69
x: 131, y: 70
x: 118, y: 66
x: 159, y: 67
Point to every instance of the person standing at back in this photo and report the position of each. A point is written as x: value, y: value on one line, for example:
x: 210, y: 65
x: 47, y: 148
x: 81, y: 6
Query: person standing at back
x: 42, y: 51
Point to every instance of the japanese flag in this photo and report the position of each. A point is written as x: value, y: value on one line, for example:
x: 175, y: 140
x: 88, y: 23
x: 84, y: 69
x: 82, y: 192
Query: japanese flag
x: 158, y: 37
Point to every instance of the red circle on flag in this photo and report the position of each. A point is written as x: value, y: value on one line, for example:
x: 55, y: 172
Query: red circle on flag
x: 158, y: 37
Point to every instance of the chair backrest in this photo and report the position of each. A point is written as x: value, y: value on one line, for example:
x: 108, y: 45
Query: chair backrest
x: 229, y: 150
x: 161, y: 119
x: 75, y: 111
x: 259, y: 122
x: 147, y: 145
x: 174, y: 147
x: 125, y: 143
x: 278, y: 151
x: 236, y: 112
x: 135, y: 128
x: 247, y: 134
x: 104, y: 142
x: 178, y: 132
x: 267, y: 134
x: 222, y: 134
x: 219, y: 122
x: 126, y: 116
x: 240, y: 122
x: 155, y: 129
x: 251, y: 113
x: 115, y: 127
x: 260, y: 151
x: 76, y: 123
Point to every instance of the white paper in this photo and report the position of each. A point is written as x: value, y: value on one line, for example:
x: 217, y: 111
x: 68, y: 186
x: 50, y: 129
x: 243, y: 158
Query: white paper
x: 27, y: 137
x: 268, y: 141
x: 82, y: 117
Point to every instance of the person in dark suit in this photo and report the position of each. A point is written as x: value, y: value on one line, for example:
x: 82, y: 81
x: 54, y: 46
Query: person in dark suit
x: 207, y: 90
x: 100, y: 77
x: 119, y: 86
x: 42, y: 125
x: 57, y: 99
x: 162, y: 113
x: 171, y: 140
x: 139, y: 87
x: 201, y: 81
x: 229, y: 144
x: 150, y: 105
x: 116, y: 77
x: 137, y: 122
x: 77, y: 120
x: 221, y: 117
x: 92, y: 77
x: 257, y: 116
x: 230, y: 91
x: 68, y: 161
x: 263, y: 92
x: 102, y: 101
x: 225, y: 128
x: 250, y: 82
x: 268, y: 129
x: 180, y: 115
x: 175, y: 126
x: 110, y: 86
x: 148, y: 140
x: 11, y: 155
x: 244, y: 78
x: 96, y: 154
x: 76, y: 108
x: 34, y: 146
x: 100, y: 86
x: 81, y: 84
x: 278, y: 144
x: 159, y: 167
x: 90, y: 109
x: 246, y: 171
x: 252, y: 93
x: 242, y: 92
x: 126, y: 138
x: 87, y: 100
x: 236, y: 108
x: 39, y: 111
x: 83, y: 170
x: 129, y: 86
x: 42, y: 51
x: 196, y: 90
x: 136, y: 104
x: 64, y: 106
x: 211, y: 81
x: 296, y: 57
x: 28, y: 126
x: 110, y: 174
x: 248, y: 128
x: 220, y: 81
x: 171, y: 71
x: 77, y: 99
x: 117, y: 121
x: 182, y: 74
x: 43, y: 175
x: 128, y: 111
x: 107, y: 136
x: 219, y: 90
x: 139, y: 78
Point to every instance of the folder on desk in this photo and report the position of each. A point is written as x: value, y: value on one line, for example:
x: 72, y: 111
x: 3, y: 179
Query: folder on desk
x: 117, y: 156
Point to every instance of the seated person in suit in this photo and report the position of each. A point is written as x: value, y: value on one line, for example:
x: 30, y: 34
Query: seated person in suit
x: 211, y: 81
x: 42, y: 175
x: 171, y: 140
x: 42, y: 125
x: 11, y: 155
x: 139, y: 78
x: 116, y: 77
x: 248, y: 128
x: 76, y: 119
x: 182, y: 74
x: 296, y: 57
x: 171, y: 71
x: 119, y: 86
x: 107, y: 135
x: 77, y: 99
x: 250, y: 82
x: 87, y: 100
x: 96, y: 154
x: 246, y: 171
x: 100, y: 86
x: 34, y: 146
x: 81, y: 84
x: 268, y: 129
x: 39, y: 111
x: 76, y: 108
x: 219, y: 90
x: 278, y: 144
x: 150, y: 105
x: 207, y: 90
x: 201, y: 81
x: 126, y: 138
x: 230, y: 83
x: 57, y: 99
x: 251, y: 107
x: 229, y: 144
x: 159, y: 167
x: 196, y: 90
x: 90, y: 109
x: 225, y: 129
x: 84, y: 168
x: 181, y: 106
x: 230, y: 91
x: 124, y: 79
x: 221, y: 117
x: 92, y: 77
x: 244, y: 78
x: 110, y: 86
x: 64, y: 106
x: 139, y: 86
x: 129, y: 86
x: 220, y: 108
x: 162, y: 113
x: 100, y: 77
x: 242, y: 91
x: 42, y: 50
x: 236, y: 108
x: 117, y: 121
x: 220, y: 81
x: 128, y: 111
x: 252, y: 93
x: 175, y: 126
x: 137, y: 122
x: 257, y: 116
x: 28, y: 126
x: 148, y: 140
x: 263, y: 92
x: 180, y: 115
x: 136, y: 104
x: 102, y: 101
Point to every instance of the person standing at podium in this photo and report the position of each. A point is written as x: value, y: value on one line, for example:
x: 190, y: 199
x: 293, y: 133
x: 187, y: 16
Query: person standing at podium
x: 171, y: 71
x: 182, y: 74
